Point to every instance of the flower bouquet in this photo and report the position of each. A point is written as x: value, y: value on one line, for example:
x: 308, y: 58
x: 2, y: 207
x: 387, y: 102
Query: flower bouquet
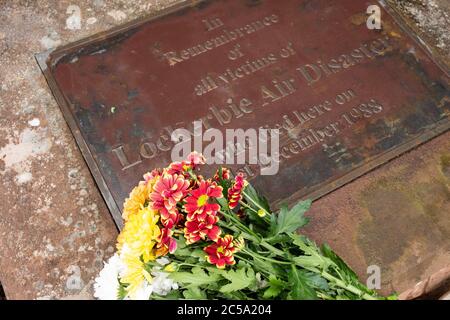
x: 188, y: 237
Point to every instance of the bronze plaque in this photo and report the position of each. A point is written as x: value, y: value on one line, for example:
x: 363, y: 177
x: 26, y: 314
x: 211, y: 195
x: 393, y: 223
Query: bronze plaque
x: 345, y: 98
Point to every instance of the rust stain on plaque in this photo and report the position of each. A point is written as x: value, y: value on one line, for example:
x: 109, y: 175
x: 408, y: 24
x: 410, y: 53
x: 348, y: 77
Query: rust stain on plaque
x: 345, y: 98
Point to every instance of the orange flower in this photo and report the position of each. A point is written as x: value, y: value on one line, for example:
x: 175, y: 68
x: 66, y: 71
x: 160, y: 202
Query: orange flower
x: 235, y: 192
x: 136, y: 200
x: 221, y: 252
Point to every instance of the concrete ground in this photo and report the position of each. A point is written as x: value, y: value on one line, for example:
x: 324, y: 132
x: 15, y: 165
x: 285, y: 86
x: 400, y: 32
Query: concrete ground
x: 430, y: 18
x: 55, y: 229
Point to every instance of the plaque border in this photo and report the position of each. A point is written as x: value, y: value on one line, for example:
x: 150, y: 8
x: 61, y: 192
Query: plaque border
x: 319, y: 190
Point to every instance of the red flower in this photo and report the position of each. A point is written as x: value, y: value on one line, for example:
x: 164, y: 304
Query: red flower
x: 166, y: 241
x: 168, y: 191
x: 195, y: 159
x: 170, y: 219
x: 221, y: 252
x: 179, y: 168
x: 151, y: 175
x: 198, y: 204
x: 235, y: 192
x: 225, y: 175
x: 196, y: 230
x: 241, y: 214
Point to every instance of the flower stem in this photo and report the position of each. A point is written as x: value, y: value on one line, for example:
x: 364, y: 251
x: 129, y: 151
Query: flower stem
x: 187, y: 264
x: 240, y: 224
x: 348, y: 287
x: 266, y: 217
x: 240, y: 257
x: 254, y: 254
x: 273, y: 249
x: 254, y: 202
x: 242, y: 203
x: 340, y: 283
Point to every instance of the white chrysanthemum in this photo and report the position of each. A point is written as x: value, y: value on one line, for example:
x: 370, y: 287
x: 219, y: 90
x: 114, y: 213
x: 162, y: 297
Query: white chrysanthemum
x: 124, y: 252
x: 106, y: 286
x: 144, y: 292
x: 163, y: 261
x: 162, y: 284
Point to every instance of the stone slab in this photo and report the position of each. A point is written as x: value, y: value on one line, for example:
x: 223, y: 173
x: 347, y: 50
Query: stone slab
x: 345, y: 98
x: 396, y: 217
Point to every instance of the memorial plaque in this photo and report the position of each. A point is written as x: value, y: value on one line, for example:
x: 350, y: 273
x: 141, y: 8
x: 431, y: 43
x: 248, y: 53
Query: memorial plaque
x: 344, y: 97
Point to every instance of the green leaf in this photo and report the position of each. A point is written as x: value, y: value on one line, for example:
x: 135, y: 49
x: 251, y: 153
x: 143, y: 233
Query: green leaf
x: 317, y: 281
x: 393, y: 296
x: 282, y: 238
x: 276, y: 286
x: 309, y: 261
x: 239, y: 279
x: 273, y: 226
x: 264, y: 266
x: 194, y: 293
x: 122, y: 292
x: 306, y: 245
x: 197, y: 277
x: 182, y: 253
x: 182, y: 249
x: 327, y: 252
x: 312, y: 257
x: 223, y: 202
x: 301, y: 290
x: 199, y: 253
x: 343, y: 271
x: 290, y: 220
x: 256, y: 197
x: 235, y: 295
x: 172, y: 295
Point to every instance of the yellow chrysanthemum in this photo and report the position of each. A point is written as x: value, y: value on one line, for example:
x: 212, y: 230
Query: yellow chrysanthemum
x: 136, y: 200
x: 141, y: 233
x: 135, y: 272
x: 138, y: 196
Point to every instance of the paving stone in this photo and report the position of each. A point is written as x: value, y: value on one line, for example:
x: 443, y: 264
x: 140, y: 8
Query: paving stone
x: 55, y: 230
